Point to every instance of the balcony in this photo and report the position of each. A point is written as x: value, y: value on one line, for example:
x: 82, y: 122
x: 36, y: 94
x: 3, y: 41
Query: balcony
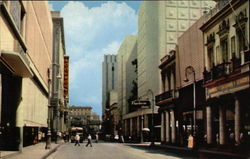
x: 166, y: 97
x: 235, y: 67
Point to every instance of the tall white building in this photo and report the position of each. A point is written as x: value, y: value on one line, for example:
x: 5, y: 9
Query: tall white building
x: 126, y: 72
x: 160, y: 23
x: 109, y: 79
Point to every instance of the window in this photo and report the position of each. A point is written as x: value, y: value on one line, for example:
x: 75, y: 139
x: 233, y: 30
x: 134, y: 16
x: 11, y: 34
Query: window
x: 242, y: 39
x: 224, y: 50
x: 233, y: 53
x: 210, y: 52
x: 218, y: 54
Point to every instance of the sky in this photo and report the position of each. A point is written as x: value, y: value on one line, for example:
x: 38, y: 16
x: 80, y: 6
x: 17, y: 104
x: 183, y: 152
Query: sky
x: 93, y: 29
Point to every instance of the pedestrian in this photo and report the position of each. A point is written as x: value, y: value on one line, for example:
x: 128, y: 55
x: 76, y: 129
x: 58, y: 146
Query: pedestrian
x: 89, y: 141
x: 77, y: 139
x: 96, y: 138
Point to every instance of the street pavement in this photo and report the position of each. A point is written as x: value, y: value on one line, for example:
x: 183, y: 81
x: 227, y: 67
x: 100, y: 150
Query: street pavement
x: 104, y: 150
x: 36, y: 151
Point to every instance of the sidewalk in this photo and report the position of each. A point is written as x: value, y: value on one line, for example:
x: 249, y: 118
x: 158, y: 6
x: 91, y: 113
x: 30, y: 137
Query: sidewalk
x: 37, y: 151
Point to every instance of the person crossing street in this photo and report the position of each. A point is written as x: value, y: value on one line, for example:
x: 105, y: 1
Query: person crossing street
x: 77, y: 138
x: 89, y: 141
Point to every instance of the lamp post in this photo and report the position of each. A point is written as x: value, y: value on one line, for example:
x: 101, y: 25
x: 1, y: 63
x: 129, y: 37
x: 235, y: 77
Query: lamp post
x: 152, y: 119
x: 48, y: 141
x: 190, y: 70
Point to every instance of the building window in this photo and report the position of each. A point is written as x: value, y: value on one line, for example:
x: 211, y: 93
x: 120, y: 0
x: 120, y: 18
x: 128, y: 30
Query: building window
x: 218, y: 54
x: 233, y: 48
x: 241, y: 39
x: 224, y: 50
x: 210, y: 52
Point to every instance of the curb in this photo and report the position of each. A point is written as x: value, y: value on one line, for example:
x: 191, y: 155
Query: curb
x: 51, y: 151
x: 10, y: 155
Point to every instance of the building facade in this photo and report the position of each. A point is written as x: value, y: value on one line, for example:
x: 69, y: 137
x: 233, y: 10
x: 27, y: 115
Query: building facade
x: 127, y: 75
x: 226, y: 75
x: 109, y: 79
x: 57, y: 101
x: 179, y: 70
x: 26, y: 55
x: 82, y: 116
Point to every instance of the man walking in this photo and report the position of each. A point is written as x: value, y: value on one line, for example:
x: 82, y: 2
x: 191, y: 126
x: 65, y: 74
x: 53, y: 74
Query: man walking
x: 96, y: 138
x: 89, y: 141
x: 77, y: 138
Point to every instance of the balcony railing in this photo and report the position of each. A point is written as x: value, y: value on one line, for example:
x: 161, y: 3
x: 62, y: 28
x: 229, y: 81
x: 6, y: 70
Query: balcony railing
x: 165, y: 95
x: 227, y: 68
x: 246, y: 56
x: 219, y: 6
x: 217, y: 72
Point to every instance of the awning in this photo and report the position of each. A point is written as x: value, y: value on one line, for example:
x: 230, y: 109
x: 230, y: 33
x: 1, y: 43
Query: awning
x: 145, y: 129
x: 16, y: 62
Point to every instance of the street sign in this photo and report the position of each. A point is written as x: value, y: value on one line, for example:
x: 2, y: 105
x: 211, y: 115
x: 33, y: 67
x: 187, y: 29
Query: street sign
x: 141, y: 103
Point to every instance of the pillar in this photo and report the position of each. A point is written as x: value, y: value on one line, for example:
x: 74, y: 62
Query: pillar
x: 209, y: 124
x: 222, y: 121
x: 146, y: 121
x: 20, y: 146
x: 131, y: 127
x: 138, y: 126
x: 167, y: 127
x: 162, y: 127
x: 125, y: 127
x: 237, y: 121
x: 173, y: 128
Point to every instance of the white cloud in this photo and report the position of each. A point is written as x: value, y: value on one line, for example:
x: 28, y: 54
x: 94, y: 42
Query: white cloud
x: 90, y: 33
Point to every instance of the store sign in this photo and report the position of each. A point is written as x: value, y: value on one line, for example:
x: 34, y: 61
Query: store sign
x: 141, y: 103
x: 66, y: 76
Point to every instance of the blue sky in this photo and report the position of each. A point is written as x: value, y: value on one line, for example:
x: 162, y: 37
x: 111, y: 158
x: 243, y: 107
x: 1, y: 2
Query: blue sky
x: 92, y: 29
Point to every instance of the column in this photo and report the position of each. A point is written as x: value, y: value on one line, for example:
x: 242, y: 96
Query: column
x: 209, y: 124
x: 20, y: 146
x: 162, y: 127
x: 222, y: 121
x: 138, y: 126
x: 237, y: 121
x: 146, y: 121
x: 167, y: 127
x: 173, y: 135
x: 125, y: 127
x: 131, y: 127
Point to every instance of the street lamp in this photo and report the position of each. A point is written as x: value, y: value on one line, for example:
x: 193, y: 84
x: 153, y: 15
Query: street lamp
x: 190, y: 70
x: 48, y: 141
x: 152, y: 119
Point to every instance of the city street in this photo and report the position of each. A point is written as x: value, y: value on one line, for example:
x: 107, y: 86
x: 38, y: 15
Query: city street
x: 112, y: 151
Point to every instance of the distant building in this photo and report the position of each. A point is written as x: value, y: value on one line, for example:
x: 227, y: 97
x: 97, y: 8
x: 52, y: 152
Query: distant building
x: 82, y: 116
x: 109, y: 79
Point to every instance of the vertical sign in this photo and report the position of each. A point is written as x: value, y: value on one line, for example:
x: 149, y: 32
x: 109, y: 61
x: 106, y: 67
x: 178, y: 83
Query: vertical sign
x: 66, y: 76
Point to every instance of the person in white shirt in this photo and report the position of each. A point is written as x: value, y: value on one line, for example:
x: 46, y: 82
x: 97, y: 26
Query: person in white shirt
x: 89, y: 141
x: 77, y: 138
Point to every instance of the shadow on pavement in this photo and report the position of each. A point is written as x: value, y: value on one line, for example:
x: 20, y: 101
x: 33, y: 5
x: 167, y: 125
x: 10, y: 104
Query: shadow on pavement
x: 164, y: 151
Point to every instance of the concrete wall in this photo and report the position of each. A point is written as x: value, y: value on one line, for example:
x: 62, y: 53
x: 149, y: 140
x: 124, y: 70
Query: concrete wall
x: 38, y: 35
x: 124, y: 52
x: 190, y: 53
